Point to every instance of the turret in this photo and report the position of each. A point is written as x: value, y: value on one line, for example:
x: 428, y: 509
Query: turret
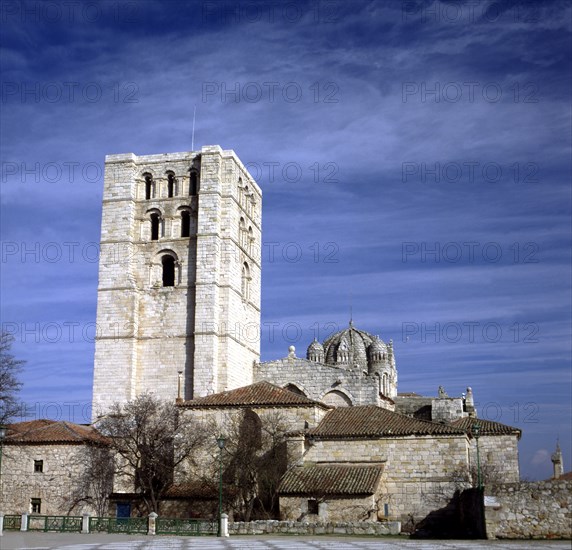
x: 315, y: 352
x: 470, y: 404
x: 557, y: 461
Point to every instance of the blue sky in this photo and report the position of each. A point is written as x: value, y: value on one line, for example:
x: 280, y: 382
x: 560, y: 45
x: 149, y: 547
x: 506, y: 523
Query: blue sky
x: 414, y: 159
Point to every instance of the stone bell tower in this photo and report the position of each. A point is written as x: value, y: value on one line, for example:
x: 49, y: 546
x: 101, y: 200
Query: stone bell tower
x: 179, y: 276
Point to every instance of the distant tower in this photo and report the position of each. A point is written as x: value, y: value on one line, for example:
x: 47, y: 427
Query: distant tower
x: 557, y: 461
x: 179, y: 276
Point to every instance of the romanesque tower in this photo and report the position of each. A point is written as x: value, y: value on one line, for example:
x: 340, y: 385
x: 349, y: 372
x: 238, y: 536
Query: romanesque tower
x: 178, y: 311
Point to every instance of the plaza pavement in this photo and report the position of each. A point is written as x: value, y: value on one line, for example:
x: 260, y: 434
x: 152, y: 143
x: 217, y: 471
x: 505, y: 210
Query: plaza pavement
x: 71, y: 541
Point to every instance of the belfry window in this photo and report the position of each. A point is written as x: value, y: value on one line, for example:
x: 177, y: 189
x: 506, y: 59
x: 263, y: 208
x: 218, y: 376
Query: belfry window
x: 168, y: 270
x: 170, y: 186
x: 155, y: 223
x: 185, y: 224
x: 194, y: 183
x: 148, y: 187
x: 242, y: 233
x: 245, y: 286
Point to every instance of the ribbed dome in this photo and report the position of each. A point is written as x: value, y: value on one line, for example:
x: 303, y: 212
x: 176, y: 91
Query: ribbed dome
x: 377, y: 346
x: 315, y: 346
x: 355, y: 341
x: 315, y: 351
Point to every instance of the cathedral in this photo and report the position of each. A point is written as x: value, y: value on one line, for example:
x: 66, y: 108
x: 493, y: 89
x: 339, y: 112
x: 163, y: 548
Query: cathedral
x: 178, y: 315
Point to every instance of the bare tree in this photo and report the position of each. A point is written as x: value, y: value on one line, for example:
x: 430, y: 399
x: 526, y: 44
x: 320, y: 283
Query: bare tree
x: 10, y: 367
x: 150, y: 439
x: 94, y: 483
x: 254, y: 460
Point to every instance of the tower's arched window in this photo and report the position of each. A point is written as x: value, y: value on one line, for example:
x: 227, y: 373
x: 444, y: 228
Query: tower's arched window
x: 149, y: 185
x: 245, y: 286
x: 185, y: 223
x: 250, y: 240
x: 241, y: 232
x: 194, y: 183
x: 246, y: 198
x: 168, y: 270
x: 170, y: 185
x: 155, y: 225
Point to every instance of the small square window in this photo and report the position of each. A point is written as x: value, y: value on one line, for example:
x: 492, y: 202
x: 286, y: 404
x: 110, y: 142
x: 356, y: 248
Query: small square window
x: 38, y: 466
x: 36, y: 505
x: 313, y: 507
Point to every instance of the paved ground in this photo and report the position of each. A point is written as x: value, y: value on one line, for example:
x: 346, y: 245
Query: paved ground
x: 70, y: 541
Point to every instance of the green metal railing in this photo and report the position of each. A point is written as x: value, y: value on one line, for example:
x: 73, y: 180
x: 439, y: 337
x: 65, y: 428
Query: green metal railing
x: 118, y: 525
x: 61, y: 524
x: 138, y: 525
x: 189, y: 527
x: 12, y: 523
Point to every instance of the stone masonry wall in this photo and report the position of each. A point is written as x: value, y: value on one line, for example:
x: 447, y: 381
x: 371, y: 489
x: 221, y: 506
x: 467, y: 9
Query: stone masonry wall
x: 330, y: 508
x: 19, y: 482
x: 541, y: 509
x: 317, y: 380
x: 420, y: 475
x: 498, y: 457
x: 224, y: 420
x: 314, y: 528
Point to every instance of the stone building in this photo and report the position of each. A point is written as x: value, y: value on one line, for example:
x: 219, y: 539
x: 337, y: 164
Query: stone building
x: 179, y: 315
x: 421, y: 463
x: 179, y: 272
x: 42, y: 461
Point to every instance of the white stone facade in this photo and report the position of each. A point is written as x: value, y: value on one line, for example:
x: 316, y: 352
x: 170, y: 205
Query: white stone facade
x: 194, y: 218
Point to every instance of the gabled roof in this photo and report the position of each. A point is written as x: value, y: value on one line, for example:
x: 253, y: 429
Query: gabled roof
x: 486, y: 427
x: 259, y: 394
x: 37, y: 432
x: 372, y: 421
x: 327, y: 479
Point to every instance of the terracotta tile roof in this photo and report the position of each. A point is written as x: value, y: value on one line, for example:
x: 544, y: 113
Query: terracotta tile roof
x: 51, y: 431
x: 372, y: 421
x: 322, y: 479
x: 567, y: 476
x: 487, y: 427
x: 261, y: 393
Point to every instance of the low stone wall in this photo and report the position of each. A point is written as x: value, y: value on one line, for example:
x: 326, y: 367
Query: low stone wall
x: 538, y: 510
x: 303, y: 528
